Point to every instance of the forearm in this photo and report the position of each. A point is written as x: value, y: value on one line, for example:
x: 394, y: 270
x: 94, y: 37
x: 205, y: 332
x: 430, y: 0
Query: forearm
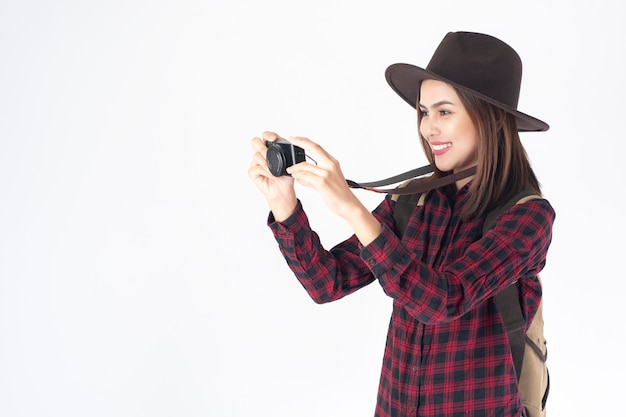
x: 366, y: 227
x: 514, y: 249
x: 325, y: 275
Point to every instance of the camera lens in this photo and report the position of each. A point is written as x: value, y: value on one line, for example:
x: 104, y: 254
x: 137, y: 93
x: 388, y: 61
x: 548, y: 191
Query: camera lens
x: 276, y: 161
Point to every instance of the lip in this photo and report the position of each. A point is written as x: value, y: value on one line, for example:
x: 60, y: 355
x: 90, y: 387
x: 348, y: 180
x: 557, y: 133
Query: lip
x: 439, y: 148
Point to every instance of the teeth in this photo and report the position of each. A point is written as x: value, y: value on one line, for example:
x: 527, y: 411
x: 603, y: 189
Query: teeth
x: 441, y: 147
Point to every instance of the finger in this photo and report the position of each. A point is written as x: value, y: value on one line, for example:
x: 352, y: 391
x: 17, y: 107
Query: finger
x: 255, y: 171
x: 258, y: 144
x: 302, y: 141
x: 305, y: 167
x: 270, y: 136
x: 259, y: 159
x: 309, y: 177
x: 310, y: 147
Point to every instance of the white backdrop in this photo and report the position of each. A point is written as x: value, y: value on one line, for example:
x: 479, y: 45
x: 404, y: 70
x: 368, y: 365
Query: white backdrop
x: 137, y: 275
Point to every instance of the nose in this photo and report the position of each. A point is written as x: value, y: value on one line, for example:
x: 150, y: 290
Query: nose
x: 428, y: 127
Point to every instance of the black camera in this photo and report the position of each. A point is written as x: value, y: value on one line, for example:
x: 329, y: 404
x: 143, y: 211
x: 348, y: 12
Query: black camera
x: 281, y: 154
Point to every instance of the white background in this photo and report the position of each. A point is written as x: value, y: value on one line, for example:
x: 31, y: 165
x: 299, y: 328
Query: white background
x: 137, y: 274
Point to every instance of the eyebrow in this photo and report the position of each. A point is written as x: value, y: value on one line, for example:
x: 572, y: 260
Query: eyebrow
x: 437, y: 104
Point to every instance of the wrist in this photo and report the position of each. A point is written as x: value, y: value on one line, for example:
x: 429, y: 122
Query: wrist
x: 366, y: 227
x: 282, y: 208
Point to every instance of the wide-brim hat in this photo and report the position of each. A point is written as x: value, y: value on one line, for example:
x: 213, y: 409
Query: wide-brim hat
x: 473, y: 62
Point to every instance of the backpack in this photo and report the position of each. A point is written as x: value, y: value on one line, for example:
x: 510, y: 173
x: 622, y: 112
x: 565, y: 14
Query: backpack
x: 528, y: 348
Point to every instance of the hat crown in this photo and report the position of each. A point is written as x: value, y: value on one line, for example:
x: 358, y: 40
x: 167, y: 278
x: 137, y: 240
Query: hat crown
x: 481, y: 63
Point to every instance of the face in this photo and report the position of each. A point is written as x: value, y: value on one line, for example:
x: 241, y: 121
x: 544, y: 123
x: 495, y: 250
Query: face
x: 446, y: 125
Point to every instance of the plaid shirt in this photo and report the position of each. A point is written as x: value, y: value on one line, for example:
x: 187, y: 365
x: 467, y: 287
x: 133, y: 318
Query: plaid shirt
x: 447, y: 353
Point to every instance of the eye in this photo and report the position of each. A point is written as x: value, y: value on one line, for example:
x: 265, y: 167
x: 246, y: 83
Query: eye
x: 422, y: 112
x: 444, y: 112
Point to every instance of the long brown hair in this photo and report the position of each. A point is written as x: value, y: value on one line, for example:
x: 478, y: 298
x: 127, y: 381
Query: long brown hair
x: 503, y: 168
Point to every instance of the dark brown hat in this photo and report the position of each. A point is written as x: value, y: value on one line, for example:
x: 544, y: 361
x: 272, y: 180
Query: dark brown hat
x: 473, y: 62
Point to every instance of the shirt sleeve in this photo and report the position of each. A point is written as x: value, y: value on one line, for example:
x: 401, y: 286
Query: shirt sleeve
x: 326, y: 275
x: 515, y: 247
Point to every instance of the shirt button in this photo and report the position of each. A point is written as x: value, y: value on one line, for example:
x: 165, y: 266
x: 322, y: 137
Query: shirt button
x: 414, y: 369
x: 372, y: 262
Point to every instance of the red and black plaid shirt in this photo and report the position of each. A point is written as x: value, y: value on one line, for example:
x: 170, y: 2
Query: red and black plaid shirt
x: 447, y: 353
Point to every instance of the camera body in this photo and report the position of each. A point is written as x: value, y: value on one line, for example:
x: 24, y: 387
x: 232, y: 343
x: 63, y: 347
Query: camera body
x: 282, y: 154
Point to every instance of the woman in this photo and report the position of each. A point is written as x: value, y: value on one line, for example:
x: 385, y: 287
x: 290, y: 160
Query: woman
x: 447, y: 353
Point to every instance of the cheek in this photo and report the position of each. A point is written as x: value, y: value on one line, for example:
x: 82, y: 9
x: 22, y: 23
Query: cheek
x: 471, y: 134
x: 471, y: 146
x: 474, y: 140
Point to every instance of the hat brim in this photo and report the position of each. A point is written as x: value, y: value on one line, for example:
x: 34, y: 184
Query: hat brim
x: 405, y: 80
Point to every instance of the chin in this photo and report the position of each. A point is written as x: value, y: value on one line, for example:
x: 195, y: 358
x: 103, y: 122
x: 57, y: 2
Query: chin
x: 450, y: 166
x: 443, y: 167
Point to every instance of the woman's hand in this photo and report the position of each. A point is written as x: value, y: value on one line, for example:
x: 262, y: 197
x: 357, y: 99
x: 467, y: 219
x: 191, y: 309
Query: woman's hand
x: 278, y: 191
x: 326, y: 178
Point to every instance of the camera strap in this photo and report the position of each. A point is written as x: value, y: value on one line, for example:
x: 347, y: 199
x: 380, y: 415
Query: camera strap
x: 415, y: 186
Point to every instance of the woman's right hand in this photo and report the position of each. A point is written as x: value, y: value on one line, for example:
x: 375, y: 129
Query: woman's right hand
x: 278, y: 191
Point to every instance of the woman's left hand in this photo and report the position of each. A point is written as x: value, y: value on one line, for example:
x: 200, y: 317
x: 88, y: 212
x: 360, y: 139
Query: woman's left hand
x: 325, y: 176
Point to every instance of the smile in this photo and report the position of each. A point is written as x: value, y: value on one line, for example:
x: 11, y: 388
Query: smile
x: 440, y: 148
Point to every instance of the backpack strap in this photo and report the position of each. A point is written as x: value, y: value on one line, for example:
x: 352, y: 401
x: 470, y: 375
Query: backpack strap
x: 405, y: 205
x: 508, y: 300
x: 404, y: 209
